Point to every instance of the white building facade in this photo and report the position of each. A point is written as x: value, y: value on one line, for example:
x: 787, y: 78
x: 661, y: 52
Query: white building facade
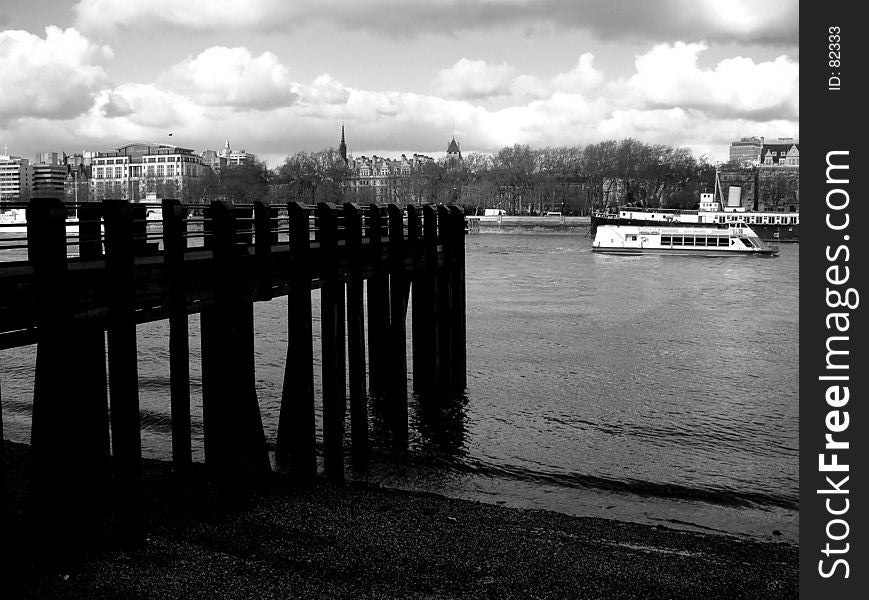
x: 137, y: 172
x: 16, y: 178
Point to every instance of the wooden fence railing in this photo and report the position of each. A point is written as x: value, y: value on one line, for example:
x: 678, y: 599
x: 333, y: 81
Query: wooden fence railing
x: 87, y: 282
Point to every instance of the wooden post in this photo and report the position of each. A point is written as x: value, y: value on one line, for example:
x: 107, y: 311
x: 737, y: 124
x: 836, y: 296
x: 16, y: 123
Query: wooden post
x: 426, y: 354
x: 215, y: 342
x: 332, y: 344
x: 296, y: 424
x: 378, y: 305
x: 423, y: 320
x: 69, y: 489
x: 235, y: 446
x: 88, y: 365
x: 445, y: 301
x: 54, y: 510
x: 459, y: 318
x: 411, y: 249
x: 174, y: 245
x: 123, y: 372
x: 397, y: 326
x: 356, y: 337
x: 3, y: 487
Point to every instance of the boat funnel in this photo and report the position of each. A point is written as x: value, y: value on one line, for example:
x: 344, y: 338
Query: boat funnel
x: 734, y: 196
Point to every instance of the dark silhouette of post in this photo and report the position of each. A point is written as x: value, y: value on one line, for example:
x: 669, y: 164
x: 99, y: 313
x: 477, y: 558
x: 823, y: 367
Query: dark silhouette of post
x: 378, y: 304
x: 174, y: 247
x: 356, y: 336
x: 235, y: 448
x: 296, y: 425
x: 445, y: 299
x: 332, y: 338
x: 3, y: 488
x: 426, y: 345
x: 88, y: 364
x: 123, y: 371
x: 69, y: 490
x: 458, y: 321
x: 398, y: 296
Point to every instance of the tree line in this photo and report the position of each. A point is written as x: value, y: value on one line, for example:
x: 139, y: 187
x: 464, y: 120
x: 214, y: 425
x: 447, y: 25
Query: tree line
x: 518, y: 179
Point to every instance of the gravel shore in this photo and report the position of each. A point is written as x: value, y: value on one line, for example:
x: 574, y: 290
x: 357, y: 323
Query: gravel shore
x: 359, y: 541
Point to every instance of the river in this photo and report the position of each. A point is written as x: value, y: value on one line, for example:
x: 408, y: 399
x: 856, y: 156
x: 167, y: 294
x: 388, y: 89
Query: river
x: 658, y: 389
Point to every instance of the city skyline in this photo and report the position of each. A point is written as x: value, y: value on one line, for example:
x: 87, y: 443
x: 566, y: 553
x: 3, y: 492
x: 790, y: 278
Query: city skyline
x: 281, y: 78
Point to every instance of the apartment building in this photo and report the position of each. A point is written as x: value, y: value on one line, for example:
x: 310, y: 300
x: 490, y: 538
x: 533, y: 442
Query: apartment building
x: 137, y: 171
x: 16, y: 178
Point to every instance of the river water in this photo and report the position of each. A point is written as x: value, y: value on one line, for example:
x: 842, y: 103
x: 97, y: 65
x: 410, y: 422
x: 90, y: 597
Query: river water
x: 658, y: 389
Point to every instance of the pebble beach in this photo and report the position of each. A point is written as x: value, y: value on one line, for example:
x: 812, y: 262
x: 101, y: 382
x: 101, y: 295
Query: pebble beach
x: 333, y: 540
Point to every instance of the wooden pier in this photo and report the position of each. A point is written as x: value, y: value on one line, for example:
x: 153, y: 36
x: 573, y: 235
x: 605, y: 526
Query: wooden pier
x: 79, y: 297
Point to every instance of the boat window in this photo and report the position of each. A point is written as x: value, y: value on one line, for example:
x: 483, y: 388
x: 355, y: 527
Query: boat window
x: 689, y: 241
x: 677, y: 240
x: 666, y: 240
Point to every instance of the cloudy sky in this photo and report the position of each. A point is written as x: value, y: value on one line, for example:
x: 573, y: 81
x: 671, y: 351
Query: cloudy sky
x: 275, y: 76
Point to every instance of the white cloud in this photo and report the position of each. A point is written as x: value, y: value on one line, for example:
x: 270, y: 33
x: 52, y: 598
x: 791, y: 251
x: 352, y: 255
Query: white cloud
x: 222, y: 76
x: 138, y: 111
x: 229, y: 92
x: 478, y: 80
x: 472, y: 79
x: 669, y: 76
x: 583, y: 78
x: 324, y: 90
x: 51, y: 77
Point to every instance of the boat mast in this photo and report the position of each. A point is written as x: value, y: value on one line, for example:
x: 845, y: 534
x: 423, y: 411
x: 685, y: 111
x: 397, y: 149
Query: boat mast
x: 717, y: 191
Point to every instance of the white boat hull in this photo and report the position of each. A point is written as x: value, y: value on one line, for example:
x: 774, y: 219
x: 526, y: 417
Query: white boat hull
x: 680, y: 241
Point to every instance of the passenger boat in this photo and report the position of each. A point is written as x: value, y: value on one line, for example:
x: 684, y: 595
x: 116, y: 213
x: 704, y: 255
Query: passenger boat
x: 14, y: 220
x: 733, y: 240
x: 769, y: 226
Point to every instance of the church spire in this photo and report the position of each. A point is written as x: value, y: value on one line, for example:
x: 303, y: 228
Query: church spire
x: 342, y: 147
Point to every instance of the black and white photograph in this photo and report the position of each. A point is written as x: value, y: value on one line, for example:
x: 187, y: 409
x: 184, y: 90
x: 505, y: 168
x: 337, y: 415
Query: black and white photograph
x: 438, y: 300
